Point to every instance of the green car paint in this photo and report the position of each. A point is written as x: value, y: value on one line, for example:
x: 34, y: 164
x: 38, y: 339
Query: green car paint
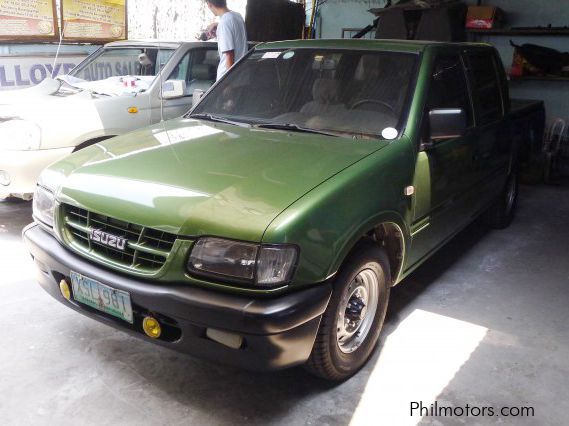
x: 196, y: 178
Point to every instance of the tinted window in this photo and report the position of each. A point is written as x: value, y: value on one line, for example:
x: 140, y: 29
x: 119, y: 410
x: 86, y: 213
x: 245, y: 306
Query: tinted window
x: 353, y: 93
x: 448, y: 86
x: 486, y: 88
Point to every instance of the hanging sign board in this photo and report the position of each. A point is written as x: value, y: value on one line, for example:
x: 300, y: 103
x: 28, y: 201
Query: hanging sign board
x: 28, y: 20
x: 94, y: 20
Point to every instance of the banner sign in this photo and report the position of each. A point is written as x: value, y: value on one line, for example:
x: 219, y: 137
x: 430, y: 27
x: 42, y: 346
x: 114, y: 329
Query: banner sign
x: 26, y: 19
x: 94, y: 19
x: 19, y: 72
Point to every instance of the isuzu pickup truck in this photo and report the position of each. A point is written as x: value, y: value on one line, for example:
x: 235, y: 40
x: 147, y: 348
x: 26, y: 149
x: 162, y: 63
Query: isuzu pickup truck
x: 121, y: 87
x: 267, y: 226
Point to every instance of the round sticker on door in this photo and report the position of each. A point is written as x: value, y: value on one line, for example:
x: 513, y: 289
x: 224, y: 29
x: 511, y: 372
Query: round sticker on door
x: 389, y: 133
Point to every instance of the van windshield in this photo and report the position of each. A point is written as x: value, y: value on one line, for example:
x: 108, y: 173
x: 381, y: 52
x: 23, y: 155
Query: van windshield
x: 344, y: 92
x: 116, y: 70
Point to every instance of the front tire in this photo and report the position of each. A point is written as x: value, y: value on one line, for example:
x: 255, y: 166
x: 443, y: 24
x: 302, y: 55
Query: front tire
x: 351, y: 324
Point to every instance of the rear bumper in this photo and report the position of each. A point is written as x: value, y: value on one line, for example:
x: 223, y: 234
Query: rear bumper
x: 278, y: 332
x: 20, y: 170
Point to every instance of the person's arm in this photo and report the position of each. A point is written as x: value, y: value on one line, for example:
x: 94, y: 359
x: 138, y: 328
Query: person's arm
x: 230, y: 55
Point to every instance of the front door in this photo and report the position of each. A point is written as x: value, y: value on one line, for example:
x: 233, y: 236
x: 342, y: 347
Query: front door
x: 198, y: 69
x: 444, y: 172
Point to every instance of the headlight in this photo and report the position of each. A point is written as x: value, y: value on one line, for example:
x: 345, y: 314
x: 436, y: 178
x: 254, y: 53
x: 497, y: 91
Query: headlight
x: 243, y: 262
x: 44, y: 206
x: 19, y: 135
x: 49, y: 183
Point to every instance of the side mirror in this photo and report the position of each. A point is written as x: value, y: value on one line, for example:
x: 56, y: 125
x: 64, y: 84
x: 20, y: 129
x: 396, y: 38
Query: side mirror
x: 446, y: 123
x: 197, y: 96
x: 173, y: 89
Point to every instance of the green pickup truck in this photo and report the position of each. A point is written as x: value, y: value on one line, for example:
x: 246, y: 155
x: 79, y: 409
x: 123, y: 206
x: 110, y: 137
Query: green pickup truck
x: 267, y: 226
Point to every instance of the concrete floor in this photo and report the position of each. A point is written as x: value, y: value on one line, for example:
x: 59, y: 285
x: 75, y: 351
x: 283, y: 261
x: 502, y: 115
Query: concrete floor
x: 484, y: 323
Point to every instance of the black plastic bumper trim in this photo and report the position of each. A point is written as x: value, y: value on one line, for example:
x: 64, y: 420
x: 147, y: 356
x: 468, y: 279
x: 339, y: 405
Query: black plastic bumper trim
x: 279, y: 332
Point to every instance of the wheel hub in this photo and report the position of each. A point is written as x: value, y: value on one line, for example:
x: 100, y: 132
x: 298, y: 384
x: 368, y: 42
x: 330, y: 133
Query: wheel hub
x: 357, y: 311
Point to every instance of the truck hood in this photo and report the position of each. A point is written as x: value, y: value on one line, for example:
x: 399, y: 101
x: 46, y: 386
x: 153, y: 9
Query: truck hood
x: 22, y: 96
x: 194, y: 177
x: 67, y: 119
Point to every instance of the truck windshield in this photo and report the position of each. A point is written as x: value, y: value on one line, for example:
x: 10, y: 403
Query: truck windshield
x: 113, y: 70
x: 348, y: 93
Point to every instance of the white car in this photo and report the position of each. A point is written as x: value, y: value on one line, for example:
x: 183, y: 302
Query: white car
x: 119, y: 88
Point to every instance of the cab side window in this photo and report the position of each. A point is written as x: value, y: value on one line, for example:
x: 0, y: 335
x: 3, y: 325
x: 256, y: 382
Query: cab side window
x: 486, y: 89
x: 448, y: 88
x: 198, y: 68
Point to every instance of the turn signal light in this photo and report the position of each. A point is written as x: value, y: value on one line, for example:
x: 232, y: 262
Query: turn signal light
x: 65, y: 290
x: 151, y: 327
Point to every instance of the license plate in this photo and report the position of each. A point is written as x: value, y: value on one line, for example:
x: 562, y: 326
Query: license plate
x: 102, y: 297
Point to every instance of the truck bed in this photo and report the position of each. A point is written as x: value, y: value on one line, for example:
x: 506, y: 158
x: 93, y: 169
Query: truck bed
x: 528, y: 126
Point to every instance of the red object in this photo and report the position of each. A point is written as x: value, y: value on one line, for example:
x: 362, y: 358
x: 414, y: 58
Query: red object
x: 484, y: 17
x: 517, y: 70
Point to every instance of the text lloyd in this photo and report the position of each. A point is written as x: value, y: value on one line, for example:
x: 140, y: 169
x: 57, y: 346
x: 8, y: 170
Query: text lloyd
x: 35, y: 74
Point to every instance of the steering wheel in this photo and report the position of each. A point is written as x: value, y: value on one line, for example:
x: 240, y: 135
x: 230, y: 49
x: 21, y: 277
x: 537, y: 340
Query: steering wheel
x: 373, y: 101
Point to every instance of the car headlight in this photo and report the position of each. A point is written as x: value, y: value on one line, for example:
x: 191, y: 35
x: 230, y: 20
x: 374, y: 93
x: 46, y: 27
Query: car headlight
x: 44, y: 206
x: 48, y: 185
x: 261, y: 265
x: 19, y: 135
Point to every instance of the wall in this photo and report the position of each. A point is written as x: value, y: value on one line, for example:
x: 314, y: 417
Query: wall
x: 24, y: 65
x: 172, y: 19
x: 532, y: 13
x: 338, y: 14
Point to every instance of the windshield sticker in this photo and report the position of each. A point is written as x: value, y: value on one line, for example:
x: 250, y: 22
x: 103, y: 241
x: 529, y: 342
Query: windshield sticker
x: 271, y: 55
x: 389, y: 133
x: 288, y: 55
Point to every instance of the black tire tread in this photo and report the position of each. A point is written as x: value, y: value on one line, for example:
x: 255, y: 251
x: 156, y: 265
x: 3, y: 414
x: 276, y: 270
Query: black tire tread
x: 320, y: 363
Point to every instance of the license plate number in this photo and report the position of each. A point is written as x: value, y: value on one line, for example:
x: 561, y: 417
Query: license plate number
x: 102, y: 297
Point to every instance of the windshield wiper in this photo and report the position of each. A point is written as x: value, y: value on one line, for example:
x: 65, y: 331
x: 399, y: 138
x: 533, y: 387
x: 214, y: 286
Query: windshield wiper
x: 294, y: 128
x: 93, y: 92
x: 211, y: 117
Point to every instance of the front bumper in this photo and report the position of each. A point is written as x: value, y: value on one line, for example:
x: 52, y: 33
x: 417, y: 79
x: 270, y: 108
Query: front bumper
x: 278, y: 332
x: 21, y: 170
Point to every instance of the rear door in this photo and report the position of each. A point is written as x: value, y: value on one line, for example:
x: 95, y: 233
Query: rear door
x: 491, y: 135
x: 444, y: 174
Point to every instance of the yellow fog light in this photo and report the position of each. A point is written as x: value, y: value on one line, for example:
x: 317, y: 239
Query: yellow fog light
x: 64, y: 288
x: 151, y: 327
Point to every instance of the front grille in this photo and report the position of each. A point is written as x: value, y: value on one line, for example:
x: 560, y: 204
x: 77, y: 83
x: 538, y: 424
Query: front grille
x: 147, y: 248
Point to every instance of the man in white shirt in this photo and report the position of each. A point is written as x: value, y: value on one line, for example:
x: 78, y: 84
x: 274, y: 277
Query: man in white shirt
x: 231, y: 35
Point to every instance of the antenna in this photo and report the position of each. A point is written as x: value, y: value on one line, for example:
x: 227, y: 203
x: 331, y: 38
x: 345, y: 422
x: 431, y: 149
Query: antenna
x: 158, y: 60
x: 61, y: 32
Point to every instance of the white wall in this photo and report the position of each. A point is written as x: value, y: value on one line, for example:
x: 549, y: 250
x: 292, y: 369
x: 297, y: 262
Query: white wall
x: 338, y: 14
x: 172, y: 19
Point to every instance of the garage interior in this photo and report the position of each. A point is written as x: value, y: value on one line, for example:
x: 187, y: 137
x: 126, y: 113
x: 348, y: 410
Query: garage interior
x: 483, y: 322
